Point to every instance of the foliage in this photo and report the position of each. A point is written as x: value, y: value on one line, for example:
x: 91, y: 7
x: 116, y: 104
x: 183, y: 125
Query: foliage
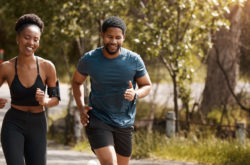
x: 81, y: 21
x: 230, y: 117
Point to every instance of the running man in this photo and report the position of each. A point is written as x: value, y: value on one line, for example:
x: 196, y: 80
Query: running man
x: 114, y: 72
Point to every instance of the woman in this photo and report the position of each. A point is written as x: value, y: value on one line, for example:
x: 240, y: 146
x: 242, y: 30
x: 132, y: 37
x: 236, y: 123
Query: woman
x: 24, y: 128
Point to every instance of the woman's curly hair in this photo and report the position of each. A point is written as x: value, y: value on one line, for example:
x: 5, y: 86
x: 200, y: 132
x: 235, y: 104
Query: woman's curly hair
x: 28, y: 19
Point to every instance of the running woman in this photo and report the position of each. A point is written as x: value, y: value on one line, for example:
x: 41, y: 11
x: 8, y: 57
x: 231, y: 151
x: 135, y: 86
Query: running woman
x: 24, y: 127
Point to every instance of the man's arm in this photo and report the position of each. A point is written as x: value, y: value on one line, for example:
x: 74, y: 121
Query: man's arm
x: 144, y: 86
x: 77, y: 81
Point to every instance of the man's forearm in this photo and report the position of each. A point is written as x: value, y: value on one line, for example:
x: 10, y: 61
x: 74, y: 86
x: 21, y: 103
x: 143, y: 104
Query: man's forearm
x: 143, y: 91
x: 77, y: 94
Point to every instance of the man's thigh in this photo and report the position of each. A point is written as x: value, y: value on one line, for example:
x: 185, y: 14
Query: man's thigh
x: 99, y: 133
x: 123, y: 140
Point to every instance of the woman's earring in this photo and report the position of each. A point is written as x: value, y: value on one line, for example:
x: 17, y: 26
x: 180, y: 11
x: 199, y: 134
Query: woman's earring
x: 17, y: 42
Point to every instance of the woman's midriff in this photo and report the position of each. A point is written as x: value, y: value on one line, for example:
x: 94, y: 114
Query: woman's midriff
x: 32, y: 109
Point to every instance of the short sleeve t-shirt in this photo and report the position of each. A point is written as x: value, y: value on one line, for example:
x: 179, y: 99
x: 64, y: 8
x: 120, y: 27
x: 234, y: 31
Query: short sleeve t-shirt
x: 109, y: 80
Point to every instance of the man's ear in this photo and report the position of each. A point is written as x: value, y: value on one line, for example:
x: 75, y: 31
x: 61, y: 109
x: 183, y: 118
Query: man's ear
x: 124, y: 36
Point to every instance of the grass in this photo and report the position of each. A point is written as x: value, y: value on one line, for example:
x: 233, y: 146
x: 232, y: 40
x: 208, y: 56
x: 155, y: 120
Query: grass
x: 210, y: 151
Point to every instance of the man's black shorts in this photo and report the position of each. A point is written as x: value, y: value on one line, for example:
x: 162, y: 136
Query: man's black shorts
x: 101, y: 134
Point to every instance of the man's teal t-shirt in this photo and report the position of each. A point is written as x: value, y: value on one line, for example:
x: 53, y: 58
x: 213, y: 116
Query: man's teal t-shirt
x: 109, y: 80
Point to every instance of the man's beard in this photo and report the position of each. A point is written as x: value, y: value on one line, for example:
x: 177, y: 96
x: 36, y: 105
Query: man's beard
x: 114, y: 52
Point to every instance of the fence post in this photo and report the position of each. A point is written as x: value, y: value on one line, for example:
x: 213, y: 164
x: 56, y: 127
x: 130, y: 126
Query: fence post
x: 240, y: 133
x: 170, y: 124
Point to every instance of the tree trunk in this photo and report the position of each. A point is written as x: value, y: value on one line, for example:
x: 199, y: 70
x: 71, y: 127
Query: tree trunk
x: 224, y: 53
x: 176, y: 108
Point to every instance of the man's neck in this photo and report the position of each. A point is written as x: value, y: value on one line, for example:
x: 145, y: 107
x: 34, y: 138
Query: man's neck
x: 110, y: 56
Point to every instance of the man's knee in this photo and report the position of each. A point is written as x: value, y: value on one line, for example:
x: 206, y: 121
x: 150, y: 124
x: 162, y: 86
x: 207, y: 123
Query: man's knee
x: 108, y: 161
x: 106, y: 155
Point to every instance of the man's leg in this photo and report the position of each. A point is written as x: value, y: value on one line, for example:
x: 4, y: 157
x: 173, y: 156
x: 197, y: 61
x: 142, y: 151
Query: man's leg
x: 122, y: 160
x: 101, y: 140
x: 106, y: 155
x: 123, y: 138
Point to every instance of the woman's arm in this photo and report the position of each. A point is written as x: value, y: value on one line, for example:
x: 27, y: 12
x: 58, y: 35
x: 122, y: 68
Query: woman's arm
x: 3, y: 70
x: 51, y: 82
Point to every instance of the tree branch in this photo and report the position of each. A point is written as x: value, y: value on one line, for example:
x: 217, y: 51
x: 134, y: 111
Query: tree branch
x: 166, y: 65
x: 188, y: 24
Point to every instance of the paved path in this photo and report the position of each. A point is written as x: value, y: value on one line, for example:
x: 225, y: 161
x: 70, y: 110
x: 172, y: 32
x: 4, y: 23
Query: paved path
x: 61, y: 155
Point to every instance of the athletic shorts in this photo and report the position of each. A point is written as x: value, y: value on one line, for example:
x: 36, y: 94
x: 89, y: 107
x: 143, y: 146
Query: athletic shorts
x: 101, y: 134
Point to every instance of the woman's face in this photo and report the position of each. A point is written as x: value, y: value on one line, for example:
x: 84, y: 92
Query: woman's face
x: 28, y: 40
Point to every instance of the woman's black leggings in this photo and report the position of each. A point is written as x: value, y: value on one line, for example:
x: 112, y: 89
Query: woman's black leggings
x: 23, y: 137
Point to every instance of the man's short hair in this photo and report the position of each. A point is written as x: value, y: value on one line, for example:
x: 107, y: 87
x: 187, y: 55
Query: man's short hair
x: 114, y: 22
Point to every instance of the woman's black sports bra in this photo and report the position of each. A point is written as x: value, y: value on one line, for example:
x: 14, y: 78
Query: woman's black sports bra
x: 23, y: 96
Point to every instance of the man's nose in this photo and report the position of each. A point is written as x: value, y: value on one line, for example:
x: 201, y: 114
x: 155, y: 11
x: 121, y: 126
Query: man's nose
x: 113, y: 40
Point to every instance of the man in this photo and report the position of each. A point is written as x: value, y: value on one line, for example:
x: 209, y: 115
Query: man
x: 114, y: 72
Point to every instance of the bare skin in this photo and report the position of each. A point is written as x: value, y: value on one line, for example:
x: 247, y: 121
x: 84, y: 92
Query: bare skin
x: 28, y: 42
x: 112, y: 39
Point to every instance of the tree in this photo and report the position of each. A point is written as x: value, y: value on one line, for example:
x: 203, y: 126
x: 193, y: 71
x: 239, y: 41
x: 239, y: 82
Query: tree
x: 176, y: 31
x: 224, y: 54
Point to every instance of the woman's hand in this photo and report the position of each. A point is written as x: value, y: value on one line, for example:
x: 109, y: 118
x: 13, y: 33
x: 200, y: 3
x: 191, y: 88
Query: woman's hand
x: 40, y: 97
x: 3, y: 102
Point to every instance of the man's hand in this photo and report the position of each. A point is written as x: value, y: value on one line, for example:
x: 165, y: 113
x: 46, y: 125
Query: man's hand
x: 130, y: 92
x: 84, y: 115
x: 40, y: 97
x: 3, y: 102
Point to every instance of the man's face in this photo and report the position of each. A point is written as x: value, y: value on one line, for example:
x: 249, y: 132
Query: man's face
x: 112, y: 40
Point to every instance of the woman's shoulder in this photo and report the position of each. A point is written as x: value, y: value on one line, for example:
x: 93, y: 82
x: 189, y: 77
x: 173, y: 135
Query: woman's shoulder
x: 46, y: 65
x: 45, y: 62
x: 7, y: 67
x: 8, y: 64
